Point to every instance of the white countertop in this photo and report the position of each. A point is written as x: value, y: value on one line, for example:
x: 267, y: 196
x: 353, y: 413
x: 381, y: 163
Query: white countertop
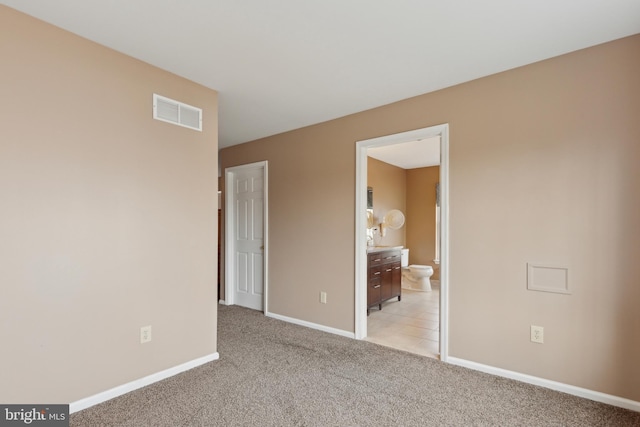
x: 372, y: 249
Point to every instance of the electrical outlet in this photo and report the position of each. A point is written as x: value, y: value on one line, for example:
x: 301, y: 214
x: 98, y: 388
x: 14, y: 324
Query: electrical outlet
x: 323, y: 297
x: 145, y: 334
x: 537, y: 334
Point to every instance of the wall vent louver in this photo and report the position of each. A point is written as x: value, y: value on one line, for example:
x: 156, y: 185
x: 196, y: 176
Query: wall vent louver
x: 178, y: 113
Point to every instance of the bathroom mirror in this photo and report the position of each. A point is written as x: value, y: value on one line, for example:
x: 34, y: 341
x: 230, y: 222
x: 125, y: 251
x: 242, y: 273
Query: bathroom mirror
x: 369, y: 207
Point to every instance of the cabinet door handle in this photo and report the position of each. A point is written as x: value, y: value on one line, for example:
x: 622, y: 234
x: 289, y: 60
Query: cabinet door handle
x: 376, y: 273
x: 397, y: 268
x: 377, y: 259
x: 389, y: 269
x: 376, y: 286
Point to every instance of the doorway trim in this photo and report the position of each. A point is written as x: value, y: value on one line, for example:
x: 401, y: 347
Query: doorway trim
x: 361, y: 226
x: 229, y: 230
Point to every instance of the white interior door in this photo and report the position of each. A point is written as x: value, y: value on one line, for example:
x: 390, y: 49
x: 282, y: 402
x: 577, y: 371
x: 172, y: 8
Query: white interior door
x: 248, y: 240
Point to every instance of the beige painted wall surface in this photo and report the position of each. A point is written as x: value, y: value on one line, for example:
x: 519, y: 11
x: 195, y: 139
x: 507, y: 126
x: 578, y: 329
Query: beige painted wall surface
x: 108, y: 218
x: 543, y: 168
x: 421, y: 216
x: 389, y: 185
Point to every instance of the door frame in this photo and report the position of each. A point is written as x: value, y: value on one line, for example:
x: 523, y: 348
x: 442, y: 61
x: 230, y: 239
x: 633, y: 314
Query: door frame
x: 361, y: 226
x: 230, y: 262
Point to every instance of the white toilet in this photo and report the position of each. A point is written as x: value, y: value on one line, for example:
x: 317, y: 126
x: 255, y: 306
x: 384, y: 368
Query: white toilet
x: 415, y: 277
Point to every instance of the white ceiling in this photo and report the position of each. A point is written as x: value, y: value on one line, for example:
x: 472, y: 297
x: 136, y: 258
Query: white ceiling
x: 283, y: 64
x: 409, y: 155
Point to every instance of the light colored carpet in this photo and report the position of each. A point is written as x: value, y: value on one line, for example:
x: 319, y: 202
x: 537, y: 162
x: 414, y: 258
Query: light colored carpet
x: 272, y: 373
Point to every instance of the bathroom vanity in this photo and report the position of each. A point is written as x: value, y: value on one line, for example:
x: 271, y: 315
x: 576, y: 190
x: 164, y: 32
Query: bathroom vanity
x: 384, y: 275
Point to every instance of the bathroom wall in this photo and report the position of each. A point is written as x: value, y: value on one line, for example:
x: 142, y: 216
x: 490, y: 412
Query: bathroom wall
x: 421, y: 216
x: 389, y: 185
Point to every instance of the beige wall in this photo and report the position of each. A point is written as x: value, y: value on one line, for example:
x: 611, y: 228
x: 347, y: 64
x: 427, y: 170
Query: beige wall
x: 108, y: 218
x: 389, y: 185
x: 421, y: 216
x: 543, y: 168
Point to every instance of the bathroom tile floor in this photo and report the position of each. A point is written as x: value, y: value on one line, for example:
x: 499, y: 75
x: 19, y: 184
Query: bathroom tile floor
x: 412, y: 324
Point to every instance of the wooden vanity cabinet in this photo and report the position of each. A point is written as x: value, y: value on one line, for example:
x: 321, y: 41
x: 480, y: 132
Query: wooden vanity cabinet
x: 384, y: 277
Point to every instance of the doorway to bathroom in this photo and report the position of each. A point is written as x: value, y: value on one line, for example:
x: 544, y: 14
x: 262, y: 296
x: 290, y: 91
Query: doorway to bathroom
x: 421, y: 317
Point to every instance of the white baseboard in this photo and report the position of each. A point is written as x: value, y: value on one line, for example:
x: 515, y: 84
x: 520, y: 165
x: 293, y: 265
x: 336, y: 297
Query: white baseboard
x: 222, y: 302
x: 553, y: 385
x: 87, y: 402
x: 312, y: 325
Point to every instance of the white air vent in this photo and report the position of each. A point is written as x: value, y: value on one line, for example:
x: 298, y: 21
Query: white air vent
x: 175, y: 112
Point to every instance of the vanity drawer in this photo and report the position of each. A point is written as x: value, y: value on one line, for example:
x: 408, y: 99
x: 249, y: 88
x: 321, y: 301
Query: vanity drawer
x: 385, y: 257
x: 374, y: 273
x: 375, y: 283
x: 375, y: 259
x: 391, y: 256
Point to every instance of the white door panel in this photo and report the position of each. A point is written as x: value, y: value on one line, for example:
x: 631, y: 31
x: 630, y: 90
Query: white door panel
x: 249, y: 237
